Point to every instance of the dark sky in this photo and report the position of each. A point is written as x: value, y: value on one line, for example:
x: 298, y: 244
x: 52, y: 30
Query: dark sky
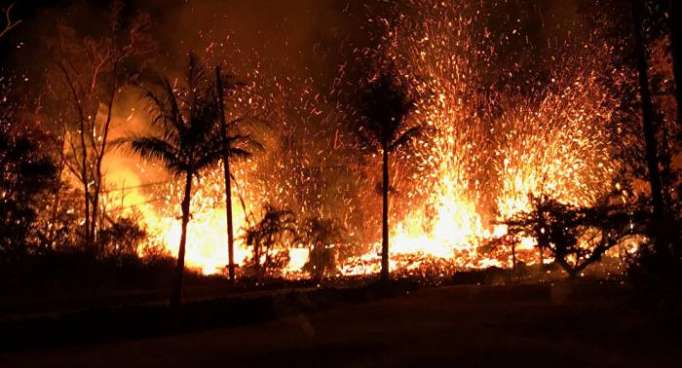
x: 274, y: 27
x: 294, y: 30
x: 302, y: 38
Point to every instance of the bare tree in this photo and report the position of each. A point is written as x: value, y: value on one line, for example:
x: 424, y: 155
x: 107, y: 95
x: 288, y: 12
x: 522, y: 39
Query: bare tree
x: 93, y: 71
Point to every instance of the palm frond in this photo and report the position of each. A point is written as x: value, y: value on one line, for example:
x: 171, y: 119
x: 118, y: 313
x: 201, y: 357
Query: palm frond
x: 190, y: 139
x: 383, y: 108
x: 207, y: 160
x: 157, y: 149
x: 164, y: 106
x: 196, y: 73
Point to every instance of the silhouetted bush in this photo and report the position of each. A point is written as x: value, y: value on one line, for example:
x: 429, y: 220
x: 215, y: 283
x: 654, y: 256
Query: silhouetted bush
x: 323, y: 237
x: 78, y: 269
x: 123, y: 237
x: 24, y: 174
x: 270, y: 239
x: 577, y: 236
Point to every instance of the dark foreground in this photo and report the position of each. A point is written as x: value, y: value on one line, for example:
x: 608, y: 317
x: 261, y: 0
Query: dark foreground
x: 452, y: 326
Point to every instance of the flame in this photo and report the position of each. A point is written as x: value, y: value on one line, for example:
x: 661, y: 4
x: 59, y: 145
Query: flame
x: 207, y: 240
x: 455, y: 226
x: 479, y: 169
x: 484, y: 153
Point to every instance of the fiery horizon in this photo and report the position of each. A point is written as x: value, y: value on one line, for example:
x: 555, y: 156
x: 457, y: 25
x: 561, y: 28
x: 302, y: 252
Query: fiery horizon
x: 487, y: 149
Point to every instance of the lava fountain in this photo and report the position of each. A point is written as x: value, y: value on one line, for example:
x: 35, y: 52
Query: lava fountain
x: 496, y: 134
x: 490, y: 147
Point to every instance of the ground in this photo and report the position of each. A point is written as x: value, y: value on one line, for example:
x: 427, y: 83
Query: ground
x: 448, y: 326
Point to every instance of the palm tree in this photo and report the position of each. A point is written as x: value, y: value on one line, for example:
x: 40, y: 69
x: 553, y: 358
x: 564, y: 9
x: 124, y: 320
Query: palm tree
x: 384, y: 108
x: 234, y: 146
x: 188, y: 140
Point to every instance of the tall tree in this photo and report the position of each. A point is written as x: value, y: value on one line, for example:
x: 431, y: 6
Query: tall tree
x: 649, y: 125
x: 245, y: 149
x: 188, y: 141
x: 92, y: 72
x: 384, y: 107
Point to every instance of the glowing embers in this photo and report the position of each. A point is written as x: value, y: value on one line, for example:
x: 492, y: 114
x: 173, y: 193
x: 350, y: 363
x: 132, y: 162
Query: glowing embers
x: 487, y: 148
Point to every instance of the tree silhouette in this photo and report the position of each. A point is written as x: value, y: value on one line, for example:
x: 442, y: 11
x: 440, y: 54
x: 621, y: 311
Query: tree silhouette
x: 322, y: 236
x: 576, y: 236
x: 649, y: 129
x: 384, y: 107
x: 91, y: 73
x: 275, y: 228
x: 24, y: 174
x: 188, y: 140
x: 246, y: 147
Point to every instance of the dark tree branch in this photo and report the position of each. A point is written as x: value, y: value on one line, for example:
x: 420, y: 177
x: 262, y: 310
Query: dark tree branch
x: 9, y: 23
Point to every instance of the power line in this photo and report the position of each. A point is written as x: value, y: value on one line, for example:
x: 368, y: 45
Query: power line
x: 146, y: 185
x: 134, y: 205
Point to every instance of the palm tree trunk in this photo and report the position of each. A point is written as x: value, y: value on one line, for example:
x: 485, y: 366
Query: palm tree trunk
x: 651, y: 144
x: 256, y: 257
x: 226, y: 172
x: 513, y: 268
x: 384, y: 227
x: 176, y: 295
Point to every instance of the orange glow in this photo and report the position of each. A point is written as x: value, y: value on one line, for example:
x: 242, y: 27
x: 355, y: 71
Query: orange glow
x: 474, y: 170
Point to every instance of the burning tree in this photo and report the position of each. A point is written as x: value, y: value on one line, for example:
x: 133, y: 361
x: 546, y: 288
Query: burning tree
x: 384, y: 108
